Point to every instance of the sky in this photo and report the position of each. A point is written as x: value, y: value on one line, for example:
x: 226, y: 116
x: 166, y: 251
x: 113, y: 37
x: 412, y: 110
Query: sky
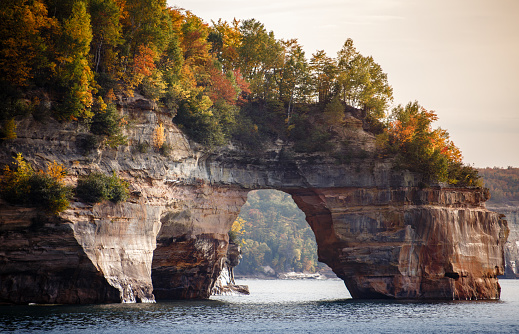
x: 459, y: 58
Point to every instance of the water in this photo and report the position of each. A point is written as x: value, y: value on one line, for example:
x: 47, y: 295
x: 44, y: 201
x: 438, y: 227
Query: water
x: 274, y: 306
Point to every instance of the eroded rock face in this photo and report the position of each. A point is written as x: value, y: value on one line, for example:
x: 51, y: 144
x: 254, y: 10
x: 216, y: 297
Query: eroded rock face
x: 511, y: 213
x: 42, y: 262
x: 408, y: 243
x: 374, y: 227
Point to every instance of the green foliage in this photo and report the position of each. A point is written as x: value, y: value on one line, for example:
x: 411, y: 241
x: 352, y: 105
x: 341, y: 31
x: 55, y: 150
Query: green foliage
x: 107, y: 122
x: 274, y: 233
x: 246, y: 133
x: 259, y: 54
x: 206, y: 123
x: 310, y: 135
x: 165, y: 149
x: 334, y: 112
x: 86, y: 143
x: 26, y: 187
x: 142, y: 147
x: 503, y: 184
x: 97, y: 187
x: 12, y: 103
x: 46, y: 192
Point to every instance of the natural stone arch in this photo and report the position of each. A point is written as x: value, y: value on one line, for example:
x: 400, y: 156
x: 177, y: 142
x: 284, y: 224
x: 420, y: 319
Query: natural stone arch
x: 379, y: 232
x: 377, y: 227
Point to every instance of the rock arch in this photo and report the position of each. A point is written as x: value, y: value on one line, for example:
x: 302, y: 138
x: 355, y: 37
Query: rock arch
x: 378, y: 228
x: 394, y: 242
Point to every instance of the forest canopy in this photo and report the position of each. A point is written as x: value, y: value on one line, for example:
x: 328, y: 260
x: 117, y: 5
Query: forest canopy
x: 273, y: 233
x: 503, y: 184
x: 221, y: 82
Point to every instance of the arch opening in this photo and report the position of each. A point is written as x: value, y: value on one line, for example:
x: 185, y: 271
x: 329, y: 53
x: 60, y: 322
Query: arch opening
x: 274, y: 241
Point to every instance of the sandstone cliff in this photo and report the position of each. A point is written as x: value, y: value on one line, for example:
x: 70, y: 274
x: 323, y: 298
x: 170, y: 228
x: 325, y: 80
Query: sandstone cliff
x: 374, y: 226
x: 511, y: 213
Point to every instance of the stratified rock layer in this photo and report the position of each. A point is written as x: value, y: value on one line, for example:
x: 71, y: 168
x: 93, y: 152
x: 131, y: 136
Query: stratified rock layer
x: 374, y: 226
x: 408, y: 243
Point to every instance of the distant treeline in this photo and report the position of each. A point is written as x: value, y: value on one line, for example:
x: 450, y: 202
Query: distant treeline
x: 273, y: 232
x: 503, y: 184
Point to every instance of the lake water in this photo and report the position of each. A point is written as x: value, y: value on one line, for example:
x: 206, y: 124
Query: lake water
x: 274, y: 306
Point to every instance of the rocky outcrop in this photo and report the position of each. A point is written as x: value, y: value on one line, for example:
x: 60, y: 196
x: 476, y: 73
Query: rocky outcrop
x: 408, y: 243
x: 225, y: 283
x: 511, y: 213
x: 375, y: 227
x: 42, y: 262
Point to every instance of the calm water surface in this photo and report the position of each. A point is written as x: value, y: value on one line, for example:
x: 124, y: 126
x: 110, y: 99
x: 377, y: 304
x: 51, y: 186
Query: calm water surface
x: 274, y: 306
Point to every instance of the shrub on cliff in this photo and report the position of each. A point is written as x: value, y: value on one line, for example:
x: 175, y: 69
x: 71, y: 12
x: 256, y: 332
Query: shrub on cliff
x: 97, y: 187
x: 107, y: 122
x: 420, y: 148
x: 44, y: 189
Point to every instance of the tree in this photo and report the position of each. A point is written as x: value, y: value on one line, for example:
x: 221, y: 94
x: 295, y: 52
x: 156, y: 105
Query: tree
x: 422, y: 148
x: 23, y: 43
x: 361, y: 82
x: 324, y: 72
x: 293, y: 77
x: 74, y: 73
x: 22, y: 185
x: 260, y: 55
x: 225, y: 41
x: 107, y: 35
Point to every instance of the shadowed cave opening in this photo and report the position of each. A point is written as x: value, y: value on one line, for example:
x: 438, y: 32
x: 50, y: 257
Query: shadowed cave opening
x: 275, y: 239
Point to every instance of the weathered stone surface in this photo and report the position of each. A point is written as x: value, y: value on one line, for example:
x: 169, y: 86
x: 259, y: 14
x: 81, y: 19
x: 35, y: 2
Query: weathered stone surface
x: 511, y: 213
x: 408, y: 243
x: 374, y: 226
x: 42, y: 262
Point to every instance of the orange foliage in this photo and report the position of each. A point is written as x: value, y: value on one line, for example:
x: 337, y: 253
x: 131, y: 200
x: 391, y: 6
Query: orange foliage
x: 414, y: 125
x: 143, y: 63
x: 21, y: 26
x: 221, y: 88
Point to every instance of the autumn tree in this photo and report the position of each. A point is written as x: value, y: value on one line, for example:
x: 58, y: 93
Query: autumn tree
x: 146, y: 29
x: 74, y: 74
x: 21, y: 184
x: 24, y: 27
x: 225, y: 39
x: 421, y: 148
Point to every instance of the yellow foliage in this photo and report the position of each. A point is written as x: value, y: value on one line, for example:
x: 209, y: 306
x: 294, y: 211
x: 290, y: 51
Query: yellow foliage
x: 56, y: 171
x: 158, y: 136
x: 9, y: 129
x: 237, y: 227
x: 110, y: 96
x: 101, y: 104
x: 17, y: 177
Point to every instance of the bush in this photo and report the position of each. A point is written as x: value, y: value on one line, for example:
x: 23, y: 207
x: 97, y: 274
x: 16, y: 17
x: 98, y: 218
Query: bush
x: 165, y: 150
x: 8, y: 130
x: 142, y: 147
x: 97, y: 187
x: 86, y: 143
x: 48, y: 193
x: 24, y: 186
x: 106, y: 122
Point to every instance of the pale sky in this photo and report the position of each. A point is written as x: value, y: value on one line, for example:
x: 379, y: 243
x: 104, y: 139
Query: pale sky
x: 459, y: 58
